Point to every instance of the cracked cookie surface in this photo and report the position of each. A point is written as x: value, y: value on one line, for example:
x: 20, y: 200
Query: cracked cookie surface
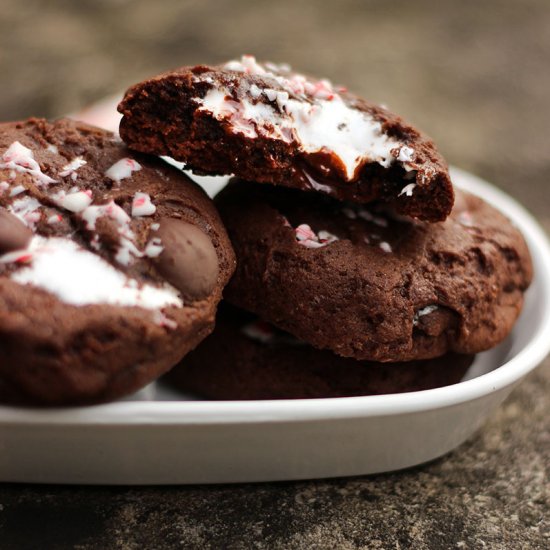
x: 370, y: 284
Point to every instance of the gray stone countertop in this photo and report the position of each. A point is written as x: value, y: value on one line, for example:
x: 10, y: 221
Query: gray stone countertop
x: 476, y: 76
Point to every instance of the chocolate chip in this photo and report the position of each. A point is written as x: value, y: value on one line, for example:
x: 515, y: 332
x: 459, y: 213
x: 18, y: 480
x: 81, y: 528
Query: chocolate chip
x: 189, y: 260
x: 14, y: 234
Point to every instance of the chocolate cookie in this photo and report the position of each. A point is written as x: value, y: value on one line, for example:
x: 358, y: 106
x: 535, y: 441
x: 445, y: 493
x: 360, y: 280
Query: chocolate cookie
x: 245, y: 358
x: 368, y: 284
x: 111, y: 265
x: 265, y: 123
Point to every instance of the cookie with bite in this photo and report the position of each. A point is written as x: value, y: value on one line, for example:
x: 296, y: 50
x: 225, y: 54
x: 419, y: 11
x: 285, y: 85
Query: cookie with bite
x: 266, y: 123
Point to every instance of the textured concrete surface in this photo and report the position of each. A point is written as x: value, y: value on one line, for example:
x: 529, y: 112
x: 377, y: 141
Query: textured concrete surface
x: 475, y: 75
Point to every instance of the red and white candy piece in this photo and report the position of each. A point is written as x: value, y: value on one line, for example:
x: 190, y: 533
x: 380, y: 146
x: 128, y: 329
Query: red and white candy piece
x: 385, y: 246
x: 154, y: 248
x: 27, y: 210
x: 111, y: 210
x: 17, y: 190
x: 18, y: 158
x: 17, y: 257
x: 55, y: 218
x: 71, y: 168
x: 407, y: 190
x: 142, y: 205
x: 76, y: 201
x: 123, y: 169
x: 308, y: 238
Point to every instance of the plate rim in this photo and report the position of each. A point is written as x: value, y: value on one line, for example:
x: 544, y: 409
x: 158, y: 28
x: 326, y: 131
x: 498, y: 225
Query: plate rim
x: 299, y: 410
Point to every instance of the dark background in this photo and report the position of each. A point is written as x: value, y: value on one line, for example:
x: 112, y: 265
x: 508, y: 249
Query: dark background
x: 474, y: 75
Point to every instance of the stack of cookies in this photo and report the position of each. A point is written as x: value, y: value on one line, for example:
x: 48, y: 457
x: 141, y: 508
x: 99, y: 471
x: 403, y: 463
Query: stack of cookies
x: 360, y: 270
x: 352, y: 265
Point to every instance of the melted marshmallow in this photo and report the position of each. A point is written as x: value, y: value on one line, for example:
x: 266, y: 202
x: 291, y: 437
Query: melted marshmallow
x: 85, y: 278
x: 320, y: 121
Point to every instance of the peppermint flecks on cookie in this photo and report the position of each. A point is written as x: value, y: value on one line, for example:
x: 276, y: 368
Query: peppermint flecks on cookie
x: 19, y: 158
x: 123, y: 169
x: 75, y: 201
x: 305, y: 236
x: 86, y: 278
x: 112, y: 210
x: 385, y: 246
x: 142, y: 205
x: 424, y: 311
x: 408, y: 190
x: 27, y: 209
x: 71, y: 168
x: 311, y: 113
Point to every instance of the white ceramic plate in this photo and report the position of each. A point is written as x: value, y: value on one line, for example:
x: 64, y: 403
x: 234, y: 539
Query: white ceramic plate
x: 158, y: 436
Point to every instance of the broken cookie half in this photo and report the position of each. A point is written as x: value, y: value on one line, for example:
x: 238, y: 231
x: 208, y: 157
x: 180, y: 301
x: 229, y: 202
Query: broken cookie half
x: 265, y: 123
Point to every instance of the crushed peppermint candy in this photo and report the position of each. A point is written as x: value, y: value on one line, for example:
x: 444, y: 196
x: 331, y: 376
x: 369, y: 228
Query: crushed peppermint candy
x: 407, y: 190
x: 405, y: 154
x: 111, y: 210
x: 85, y: 278
x: 466, y: 219
x: 27, y: 209
x: 18, y: 158
x: 162, y: 320
x: 71, y: 168
x: 123, y: 169
x: 17, y: 190
x: 308, y: 238
x: 424, y: 311
x: 55, y: 218
x: 154, y: 248
x: 74, y: 201
x: 142, y: 205
x: 127, y: 249
x: 259, y: 330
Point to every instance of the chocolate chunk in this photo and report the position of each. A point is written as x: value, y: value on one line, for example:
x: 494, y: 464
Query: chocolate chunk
x: 14, y: 234
x: 189, y: 260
